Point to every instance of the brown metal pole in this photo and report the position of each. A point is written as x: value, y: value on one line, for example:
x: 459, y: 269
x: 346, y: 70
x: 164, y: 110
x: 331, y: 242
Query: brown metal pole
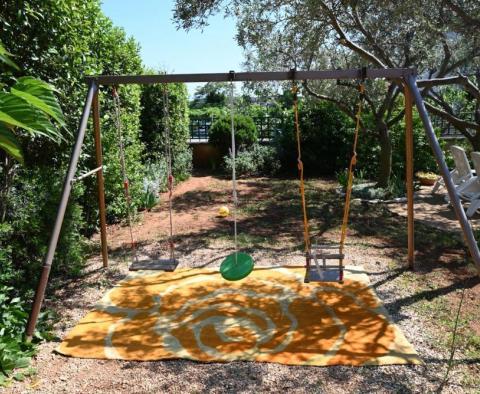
x: 62, y: 207
x: 100, y: 182
x: 409, y: 174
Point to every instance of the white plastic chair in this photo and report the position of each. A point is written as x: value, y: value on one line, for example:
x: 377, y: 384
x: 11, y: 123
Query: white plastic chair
x: 472, y: 191
x: 462, y: 175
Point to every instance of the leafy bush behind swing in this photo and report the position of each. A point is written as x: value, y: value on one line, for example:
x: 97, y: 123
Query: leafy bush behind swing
x: 153, y: 132
x: 257, y: 160
x: 245, y: 133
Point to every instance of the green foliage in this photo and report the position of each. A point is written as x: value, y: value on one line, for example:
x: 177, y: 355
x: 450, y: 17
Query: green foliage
x: 245, y: 133
x: 369, y: 150
x: 182, y: 164
x: 212, y: 94
x: 208, y: 112
x: 133, y: 152
x: 154, y: 182
x: 370, y: 190
x: 153, y: 126
x: 342, y: 177
x: 32, y: 205
x: 29, y: 105
x: 326, y: 138
x: 14, y: 353
x: 5, y: 57
x: 257, y: 160
x: 58, y: 42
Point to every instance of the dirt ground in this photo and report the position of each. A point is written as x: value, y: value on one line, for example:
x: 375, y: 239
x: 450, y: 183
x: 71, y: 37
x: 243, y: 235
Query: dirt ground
x: 422, y: 302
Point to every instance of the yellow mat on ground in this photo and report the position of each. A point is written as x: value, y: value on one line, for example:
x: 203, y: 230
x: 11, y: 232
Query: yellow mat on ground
x: 271, y: 316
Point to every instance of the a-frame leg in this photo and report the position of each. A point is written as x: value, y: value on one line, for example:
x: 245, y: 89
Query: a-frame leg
x: 409, y: 174
x: 100, y: 183
x: 67, y: 187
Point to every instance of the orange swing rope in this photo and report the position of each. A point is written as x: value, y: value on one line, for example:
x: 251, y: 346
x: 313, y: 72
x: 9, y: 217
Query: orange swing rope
x: 306, y: 231
x: 351, y: 168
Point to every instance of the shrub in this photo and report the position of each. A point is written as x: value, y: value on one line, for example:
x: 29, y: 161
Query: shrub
x: 369, y: 149
x: 258, y: 160
x: 154, y: 181
x: 182, y: 164
x: 153, y: 126
x: 326, y: 137
x: 14, y: 352
x: 245, y: 133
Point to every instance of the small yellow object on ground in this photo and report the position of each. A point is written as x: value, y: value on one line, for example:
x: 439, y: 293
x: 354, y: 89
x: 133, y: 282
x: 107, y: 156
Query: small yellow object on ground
x: 223, y: 211
x: 270, y: 316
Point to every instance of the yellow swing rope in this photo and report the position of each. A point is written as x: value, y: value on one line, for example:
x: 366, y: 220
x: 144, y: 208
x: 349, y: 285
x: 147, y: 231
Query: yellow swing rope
x: 306, y: 232
x: 351, y: 168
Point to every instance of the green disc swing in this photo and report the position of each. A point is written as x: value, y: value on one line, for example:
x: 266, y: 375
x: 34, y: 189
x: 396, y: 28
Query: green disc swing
x: 237, y: 265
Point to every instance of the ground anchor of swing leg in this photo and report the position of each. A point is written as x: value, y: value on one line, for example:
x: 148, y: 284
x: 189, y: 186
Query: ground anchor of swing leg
x: 168, y: 265
x: 321, y: 271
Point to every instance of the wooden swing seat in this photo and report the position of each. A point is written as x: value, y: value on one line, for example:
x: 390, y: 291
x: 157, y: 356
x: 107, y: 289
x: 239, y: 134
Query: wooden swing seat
x: 321, y: 271
x: 168, y: 265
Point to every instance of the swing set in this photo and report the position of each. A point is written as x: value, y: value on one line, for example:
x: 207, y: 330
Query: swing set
x: 238, y: 264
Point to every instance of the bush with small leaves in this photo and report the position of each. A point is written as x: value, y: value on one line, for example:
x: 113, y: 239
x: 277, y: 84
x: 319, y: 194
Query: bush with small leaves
x: 245, y: 133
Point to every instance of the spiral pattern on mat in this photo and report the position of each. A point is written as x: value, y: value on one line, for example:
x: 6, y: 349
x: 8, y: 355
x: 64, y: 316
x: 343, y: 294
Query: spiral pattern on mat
x: 228, y: 322
x: 271, y: 316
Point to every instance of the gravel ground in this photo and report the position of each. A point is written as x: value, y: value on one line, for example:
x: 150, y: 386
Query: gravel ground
x: 395, y: 286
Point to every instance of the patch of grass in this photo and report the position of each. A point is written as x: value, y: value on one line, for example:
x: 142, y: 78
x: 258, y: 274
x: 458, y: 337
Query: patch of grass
x: 254, y: 207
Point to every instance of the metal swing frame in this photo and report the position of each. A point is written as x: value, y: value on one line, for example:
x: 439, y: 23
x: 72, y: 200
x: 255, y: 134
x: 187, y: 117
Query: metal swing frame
x: 405, y: 77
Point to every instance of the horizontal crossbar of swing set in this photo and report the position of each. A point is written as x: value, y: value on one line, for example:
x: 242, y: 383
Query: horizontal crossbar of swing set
x: 87, y: 174
x: 258, y: 76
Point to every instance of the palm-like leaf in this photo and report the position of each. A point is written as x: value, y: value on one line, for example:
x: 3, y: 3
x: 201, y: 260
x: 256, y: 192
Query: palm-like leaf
x: 16, y: 112
x: 30, y: 105
x: 5, y: 58
x: 40, y: 95
x: 9, y: 143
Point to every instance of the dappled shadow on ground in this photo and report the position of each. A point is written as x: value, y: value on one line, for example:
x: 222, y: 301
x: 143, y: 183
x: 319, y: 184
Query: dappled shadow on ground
x: 270, y: 221
x: 271, y: 316
x: 270, y: 224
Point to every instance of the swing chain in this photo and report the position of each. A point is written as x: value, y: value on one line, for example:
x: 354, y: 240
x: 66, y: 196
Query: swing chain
x: 121, y: 151
x: 170, y: 178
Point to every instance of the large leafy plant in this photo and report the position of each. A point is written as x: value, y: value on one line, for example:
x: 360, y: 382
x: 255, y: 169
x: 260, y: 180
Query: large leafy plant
x: 28, y: 109
x: 28, y: 106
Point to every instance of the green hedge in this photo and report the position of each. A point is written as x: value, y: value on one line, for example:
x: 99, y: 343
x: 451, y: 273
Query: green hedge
x: 245, y: 133
x: 326, y: 138
x: 153, y: 126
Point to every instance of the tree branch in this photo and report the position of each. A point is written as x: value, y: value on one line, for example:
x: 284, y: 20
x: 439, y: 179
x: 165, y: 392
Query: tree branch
x: 457, y: 80
x: 462, y: 61
x: 396, y: 118
x: 446, y: 58
x: 369, y: 36
x: 462, y: 13
x: 344, y: 108
x: 452, y: 119
x: 345, y: 41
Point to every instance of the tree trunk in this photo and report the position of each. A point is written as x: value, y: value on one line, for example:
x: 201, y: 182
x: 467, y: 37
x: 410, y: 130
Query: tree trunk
x: 474, y: 140
x: 385, y: 160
